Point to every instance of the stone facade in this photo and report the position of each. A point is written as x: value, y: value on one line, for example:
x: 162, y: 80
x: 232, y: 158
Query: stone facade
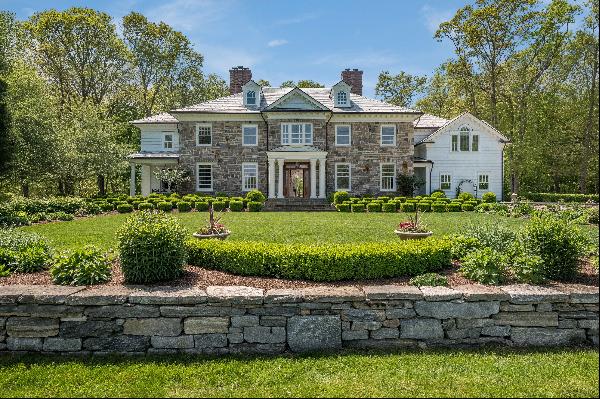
x: 221, y: 320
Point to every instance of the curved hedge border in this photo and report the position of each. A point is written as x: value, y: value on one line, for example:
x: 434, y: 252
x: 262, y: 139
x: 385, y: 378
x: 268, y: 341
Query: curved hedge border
x: 554, y: 197
x: 327, y: 262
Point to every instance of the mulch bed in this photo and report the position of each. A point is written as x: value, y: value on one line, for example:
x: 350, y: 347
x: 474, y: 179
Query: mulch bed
x: 202, y: 278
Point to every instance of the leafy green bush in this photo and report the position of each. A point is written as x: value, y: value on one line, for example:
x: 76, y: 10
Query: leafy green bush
x: 555, y: 197
x: 558, y: 242
x: 438, y: 194
x: 106, y: 207
x: 327, y: 262
x: 151, y: 247
x: 466, y: 197
x: 85, y: 266
x: 202, y: 206
x: 389, y: 207
x: 484, y: 207
x: 523, y: 208
x: 467, y: 207
x: 164, y: 206
x: 145, y: 206
x: 401, y: 199
x: 454, y: 207
x: 255, y: 206
x: 218, y: 206
x: 374, y: 207
x: 236, y: 206
x: 462, y: 245
x: 383, y: 198
x: 496, y: 237
x: 184, y: 206
x: 438, y: 207
x: 485, y: 266
x: 424, y: 206
x: 343, y: 207
x: 124, y: 208
x: 24, y: 252
x: 429, y: 280
x: 592, y: 215
x: 528, y: 268
x: 358, y: 207
x: 255, y: 196
x: 340, y: 196
x: 489, y: 197
x: 407, y: 207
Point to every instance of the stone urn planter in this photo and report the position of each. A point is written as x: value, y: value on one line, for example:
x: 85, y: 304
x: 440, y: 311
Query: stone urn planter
x: 220, y: 236
x: 410, y: 235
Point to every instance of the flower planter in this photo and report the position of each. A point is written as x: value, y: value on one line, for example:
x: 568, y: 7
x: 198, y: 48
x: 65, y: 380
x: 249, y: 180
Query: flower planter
x: 410, y: 235
x: 220, y: 236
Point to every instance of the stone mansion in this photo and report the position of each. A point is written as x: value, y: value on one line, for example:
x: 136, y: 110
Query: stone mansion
x: 309, y: 142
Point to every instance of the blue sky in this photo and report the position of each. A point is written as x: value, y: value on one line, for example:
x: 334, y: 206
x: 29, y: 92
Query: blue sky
x: 292, y: 39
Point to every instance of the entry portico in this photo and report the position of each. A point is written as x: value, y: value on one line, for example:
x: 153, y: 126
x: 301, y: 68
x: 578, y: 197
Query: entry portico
x: 289, y: 154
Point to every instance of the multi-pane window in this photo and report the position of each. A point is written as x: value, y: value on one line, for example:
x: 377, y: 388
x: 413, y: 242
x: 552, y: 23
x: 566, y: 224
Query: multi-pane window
x: 464, y: 139
x: 296, y: 133
x: 249, y: 176
x: 251, y: 98
x: 342, y: 176
x: 475, y: 142
x: 342, y: 98
x: 249, y: 135
x: 454, y: 142
x: 388, y: 135
x: 342, y: 135
x: 445, y: 182
x: 484, y: 182
x: 205, y: 177
x: 388, y: 177
x: 168, y: 141
x: 203, y: 134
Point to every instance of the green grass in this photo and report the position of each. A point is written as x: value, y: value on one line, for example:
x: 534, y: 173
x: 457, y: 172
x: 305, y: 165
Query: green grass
x: 283, y: 227
x: 468, y: 373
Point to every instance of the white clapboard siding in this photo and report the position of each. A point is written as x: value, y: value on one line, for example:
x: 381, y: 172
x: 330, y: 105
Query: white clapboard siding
x: 152, y: 137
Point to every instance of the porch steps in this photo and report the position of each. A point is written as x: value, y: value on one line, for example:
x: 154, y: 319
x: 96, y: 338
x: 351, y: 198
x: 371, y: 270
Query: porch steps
x: 297, y: 204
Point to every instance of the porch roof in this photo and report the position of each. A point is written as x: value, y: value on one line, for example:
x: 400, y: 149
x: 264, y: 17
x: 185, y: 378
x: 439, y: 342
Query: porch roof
x: 154, y: 155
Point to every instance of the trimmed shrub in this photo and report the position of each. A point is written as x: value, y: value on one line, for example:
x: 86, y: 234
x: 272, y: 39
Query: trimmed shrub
x: 438, y: 195
x: 467, y: 207
x: 429, y: 280
x: 374, y: 207
x: 383, y: 198
x: 124, y: 208
x: 389, y: 207
x: 343, y: 207
x: 24, y: 252
x: 401, y: 199
x: 85, y: 266
x: 489, y: 197
x: 184, y: 206
x: 327, y: 262
x: 255, y: 206
x: 424, y: 206
x: 236, y: 206
x: 164, y: 206
x: 407, y: 207
x: 484, y: 207
x: 106, y: 207
x: 485, y: 266
x: 340, y: 196
x: 151, y: 247
x: 438, y: 207
x: 145, y: 206
x: 462, y: 245
x: 556, y: 197
x: 466, y: 197
x: 202, y: 206
x: 454, y: 207
x: 358, y: 208
x: 218, y: 206
x: 255, y: 196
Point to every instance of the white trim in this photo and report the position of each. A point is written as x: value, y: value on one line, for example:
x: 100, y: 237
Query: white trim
x: 450, y: 176
x: 255, y: 164
x: 198, y: 126
x: 394, y: 183
x: 303, y: 133
x: 249, y: 116
x: 487, y: 175
x: 164, y: 141
x: 255, y: 127
x: 349, y: 188
x: 381, y: 136
x: 212, y: 176
x: 294, y: 91
x: 349, y: 136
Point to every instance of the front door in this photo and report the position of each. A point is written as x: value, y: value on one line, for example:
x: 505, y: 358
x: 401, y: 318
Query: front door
x: 296, y: 183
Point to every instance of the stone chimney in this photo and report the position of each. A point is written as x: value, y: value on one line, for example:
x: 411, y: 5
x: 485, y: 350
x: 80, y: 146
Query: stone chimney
x: 238, y: 76
x: 353, y: 77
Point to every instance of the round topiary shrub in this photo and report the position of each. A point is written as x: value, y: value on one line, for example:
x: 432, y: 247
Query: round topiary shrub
x: 106, y: 207
x: 424, y: 206
x: 358, y: 208
x: 489, y: 197
x: 218, y: 205
x: 184, y: 206
x: 151, y: 247
x: 164, y: 206
x: 124, y: 208
x: 467, y: 207
x: 438, y: 206
x: 343, y: 207
x: 374, y: 207
x: 202, y: 206
x: 145, y: 206
x: 86, y: 266
x: 454, y: 207
x: 236, y: 205
x: 255, y: 206
x: 407, y: 207
x: 255, y: 196
x: 438, y: 194
x: 389, y: 207
x: 466, y: 197
x: 340, y: 196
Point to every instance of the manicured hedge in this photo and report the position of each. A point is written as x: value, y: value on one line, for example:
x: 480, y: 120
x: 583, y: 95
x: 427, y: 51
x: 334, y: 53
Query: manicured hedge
x: 438, y: 206
x: 374, y: 207
x: 236, y: 206
x: 555, y: 197
x: 255, y: 206
x: 144, y: 206
x: 125, y: 208
x: 358, y: 207
x: 343, y: 207
x: 407, y: 207
x: 329, y: 262
x: 389, y: 207
x: 202, y: 206
x: 184, y: 206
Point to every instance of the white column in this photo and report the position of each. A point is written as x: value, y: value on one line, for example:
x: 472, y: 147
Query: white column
x: 146, y: 180
x: 322, y: 178
x: 132, y: 180
x: 313, y: 178
x: 280, y: 179
x: 271, y: 178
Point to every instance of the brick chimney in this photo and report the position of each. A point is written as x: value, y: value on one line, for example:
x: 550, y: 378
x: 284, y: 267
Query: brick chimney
x: 353, y: 77
x: 238, y: 76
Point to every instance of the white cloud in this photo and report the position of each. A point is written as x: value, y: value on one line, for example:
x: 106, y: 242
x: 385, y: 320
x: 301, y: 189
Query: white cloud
x: 188, y: 15
x: 434, y: 17
x: 277, y: 42
x: 296, y: 20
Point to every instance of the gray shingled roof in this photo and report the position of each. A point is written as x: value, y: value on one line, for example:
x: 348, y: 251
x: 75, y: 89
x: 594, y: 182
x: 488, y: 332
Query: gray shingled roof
x: 159, y: 118
x: 428, y: 121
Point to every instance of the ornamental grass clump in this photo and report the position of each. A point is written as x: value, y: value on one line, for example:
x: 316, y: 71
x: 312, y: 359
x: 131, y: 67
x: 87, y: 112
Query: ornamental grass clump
x: 151, y: 247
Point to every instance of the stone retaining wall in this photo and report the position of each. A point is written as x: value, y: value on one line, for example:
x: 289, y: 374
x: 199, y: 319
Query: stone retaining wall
x: 222, y: 320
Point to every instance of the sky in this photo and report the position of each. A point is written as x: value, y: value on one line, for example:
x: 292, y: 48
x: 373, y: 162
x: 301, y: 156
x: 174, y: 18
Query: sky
x: 292, y: 39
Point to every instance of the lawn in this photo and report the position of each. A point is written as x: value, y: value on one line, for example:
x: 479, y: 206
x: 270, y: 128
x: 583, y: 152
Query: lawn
x: 468, y: 373
x: 284, y: 227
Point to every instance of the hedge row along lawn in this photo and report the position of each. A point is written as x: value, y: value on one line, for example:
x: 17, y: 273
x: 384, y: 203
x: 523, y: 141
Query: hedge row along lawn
x: 440, y: 373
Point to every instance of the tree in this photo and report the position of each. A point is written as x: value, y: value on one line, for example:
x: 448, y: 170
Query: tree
x: 7, y: 38
x: 399, y: 89
x: 263, y: 83
x: 6, y: 149
x: 443, y: 96
x: 304, y: 84
x: 172, y: 177
x: 288, y: 83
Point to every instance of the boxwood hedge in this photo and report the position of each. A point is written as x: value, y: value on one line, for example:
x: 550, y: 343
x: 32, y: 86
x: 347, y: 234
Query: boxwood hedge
x: 327, y: 262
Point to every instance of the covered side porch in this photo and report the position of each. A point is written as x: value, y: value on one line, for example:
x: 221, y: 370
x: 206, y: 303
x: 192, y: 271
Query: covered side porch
x: 296, y: 172
x: 149, y: 163
x: 422, y: 169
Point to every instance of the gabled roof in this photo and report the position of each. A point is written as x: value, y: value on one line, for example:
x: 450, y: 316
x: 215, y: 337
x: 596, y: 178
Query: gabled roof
x: 428, y: 121
x: 470, y: 117
x: 279, y: 104
x: 164, y: 117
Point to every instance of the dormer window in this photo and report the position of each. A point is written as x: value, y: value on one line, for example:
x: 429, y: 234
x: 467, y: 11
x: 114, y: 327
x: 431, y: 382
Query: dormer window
x: 342, y: 98
x: 251, y: 94
x: 340, y: 94
x: 251, y: 98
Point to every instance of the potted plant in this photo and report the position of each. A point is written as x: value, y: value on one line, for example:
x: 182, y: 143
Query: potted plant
x: 412, y: 229
x: 213, y: 229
